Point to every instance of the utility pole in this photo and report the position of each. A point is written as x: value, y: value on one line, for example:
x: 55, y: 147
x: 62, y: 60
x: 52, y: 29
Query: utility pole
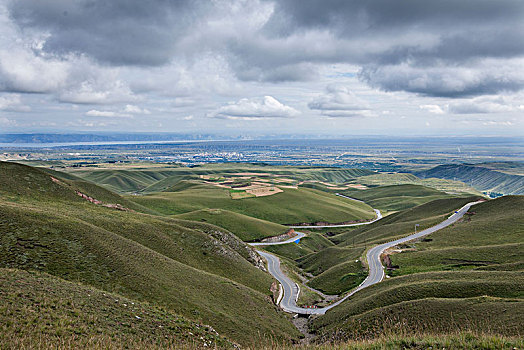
x: 416, y: 228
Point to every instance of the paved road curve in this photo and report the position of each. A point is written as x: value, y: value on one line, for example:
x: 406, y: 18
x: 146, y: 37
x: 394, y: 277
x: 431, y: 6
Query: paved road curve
x: 376, y: 270
x: 291, y: 240
x: 379, y: 216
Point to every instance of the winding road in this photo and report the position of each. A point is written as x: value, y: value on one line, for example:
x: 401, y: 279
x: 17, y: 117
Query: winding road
x: 379, y: 216
x: 376, y: 270
x: 291, y: 240
x: 377, y: 212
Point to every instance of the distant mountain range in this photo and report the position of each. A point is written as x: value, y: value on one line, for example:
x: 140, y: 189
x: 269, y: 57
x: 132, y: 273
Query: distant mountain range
x: 477, y: 176
x: 100, y: 137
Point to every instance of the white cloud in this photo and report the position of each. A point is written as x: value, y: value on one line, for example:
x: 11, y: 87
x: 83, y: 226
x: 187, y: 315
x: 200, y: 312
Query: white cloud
x: 7, y: 122
x: 484, y: 105
x: 13, y: 102
x: 498, y: 123
x: 107, y: 114
x: 339, y: 101
x: 435, y: 109
x: 132, y: 109
x: 249, y: 109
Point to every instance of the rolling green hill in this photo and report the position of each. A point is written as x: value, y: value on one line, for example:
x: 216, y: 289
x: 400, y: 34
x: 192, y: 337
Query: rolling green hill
x: 42, y: 311
x: 151, y: 178
x: 444, y: 185
x: 490, y: 235
x: 327, y: 258
x: 513, y: 168
x: 480, y: 177
x: 430, y: 303
x: 196, y: 270
x: 175, y: 253
x: 126, y: 180
x: 476, y: 281
x: 396, y: 197
x: 402, y: 223
x: 245, y: 227
x: 289, y: 207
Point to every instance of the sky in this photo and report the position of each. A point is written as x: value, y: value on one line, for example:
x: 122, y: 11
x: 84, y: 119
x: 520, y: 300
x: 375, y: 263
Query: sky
x: 240, y: 67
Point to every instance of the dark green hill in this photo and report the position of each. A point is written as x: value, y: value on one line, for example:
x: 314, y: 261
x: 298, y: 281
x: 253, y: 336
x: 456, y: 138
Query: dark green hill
x: 480, y: 177
x: 196, y: 270
x: 27, y: 184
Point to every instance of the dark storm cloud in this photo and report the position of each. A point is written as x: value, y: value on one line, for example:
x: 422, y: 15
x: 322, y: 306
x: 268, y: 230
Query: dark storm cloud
x: 444, y: 48
x: 441, y: 81
x: 399, y: 39
x: 119, y: 32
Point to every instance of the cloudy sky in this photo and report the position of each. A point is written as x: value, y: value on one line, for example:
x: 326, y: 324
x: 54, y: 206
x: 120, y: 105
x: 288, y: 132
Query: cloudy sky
x: 250, y: 66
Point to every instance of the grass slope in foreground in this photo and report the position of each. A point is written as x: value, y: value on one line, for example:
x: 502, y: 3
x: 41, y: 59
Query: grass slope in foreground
x: 460, y: 294
x: 38, y: 310
x: 430, y: 303
x: 196, y: 270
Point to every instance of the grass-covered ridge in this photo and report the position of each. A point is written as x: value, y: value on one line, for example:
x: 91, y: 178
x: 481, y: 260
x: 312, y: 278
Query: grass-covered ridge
x: 151, y: 177
x: 300, y: 205
x: 397, y: 197
x: 402, y: 223
x: 196, y: 270
x: 40, y: 310
x: 433, y: 303
x: 444, y: 185
x: 478, y: 176
x: 490, y: 234
x: 245, y: 227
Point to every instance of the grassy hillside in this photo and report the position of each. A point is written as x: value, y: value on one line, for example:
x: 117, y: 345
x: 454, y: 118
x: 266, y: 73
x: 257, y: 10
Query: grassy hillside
x: 490, y: 234
x: 444, y: 185
x: 477, y: 301
x: 340, y: 278
x: 198, y: 271
x: 126, y: 180
x: 476, y: 285
x: 327, y: 258
x: 513, y: 168
x: 291, y: 206
x: 150, y: 178
x: 396, y: 197
x: 38, y: 310
x: 245, y: 227
x: 479, y: 177
x: 42, y: 311
x: 402, y: 223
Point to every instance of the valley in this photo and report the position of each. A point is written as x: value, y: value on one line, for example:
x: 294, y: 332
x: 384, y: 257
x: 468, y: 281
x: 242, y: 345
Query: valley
x: 176, y: 238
